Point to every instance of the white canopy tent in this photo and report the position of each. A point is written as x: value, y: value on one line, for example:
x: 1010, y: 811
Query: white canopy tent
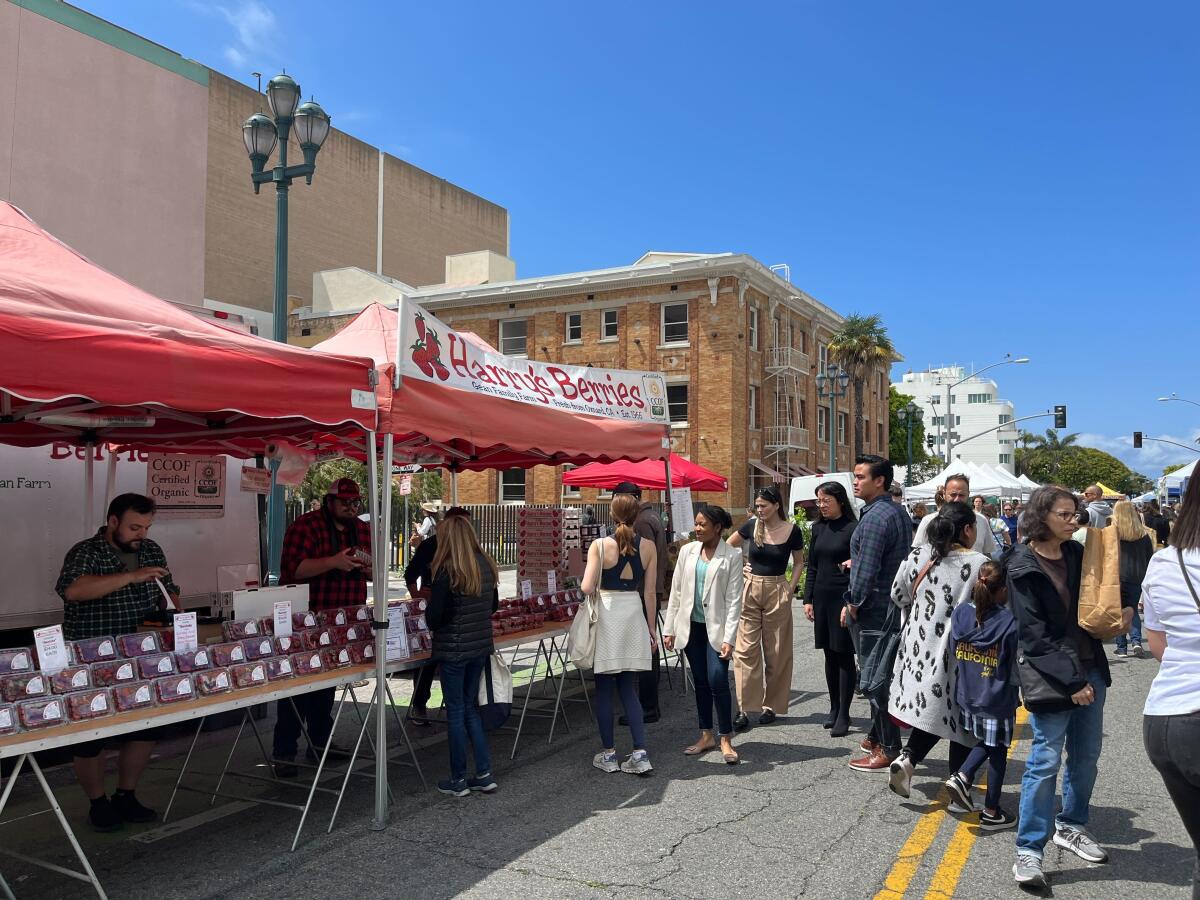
x: 984, y: 480
x: 1171, y: 484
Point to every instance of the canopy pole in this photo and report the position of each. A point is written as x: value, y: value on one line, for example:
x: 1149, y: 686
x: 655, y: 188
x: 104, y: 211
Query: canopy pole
x: 454, y: 487
x: 110, y: 478
x: 379, y: 593
x: 89, y: 488
x: 670, y: 498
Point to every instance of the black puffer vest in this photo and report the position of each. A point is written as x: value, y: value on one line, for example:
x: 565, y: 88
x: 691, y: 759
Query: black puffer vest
x: 465, y: 631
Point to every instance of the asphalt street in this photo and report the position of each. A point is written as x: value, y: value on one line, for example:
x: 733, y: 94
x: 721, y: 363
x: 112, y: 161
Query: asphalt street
x: 791, y: 820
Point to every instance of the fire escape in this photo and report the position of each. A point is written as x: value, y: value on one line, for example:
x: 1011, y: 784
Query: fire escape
x: 786, y: 438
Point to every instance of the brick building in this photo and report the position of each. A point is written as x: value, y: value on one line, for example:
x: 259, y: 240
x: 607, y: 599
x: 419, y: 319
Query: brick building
x: 739, y: 346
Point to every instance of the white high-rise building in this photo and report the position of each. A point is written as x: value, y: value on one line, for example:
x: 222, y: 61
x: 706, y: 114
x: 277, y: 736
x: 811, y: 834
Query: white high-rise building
x: 975, y: 406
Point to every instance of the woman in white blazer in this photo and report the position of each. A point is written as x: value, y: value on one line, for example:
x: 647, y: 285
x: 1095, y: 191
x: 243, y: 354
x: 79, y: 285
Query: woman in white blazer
x: 702, y: 618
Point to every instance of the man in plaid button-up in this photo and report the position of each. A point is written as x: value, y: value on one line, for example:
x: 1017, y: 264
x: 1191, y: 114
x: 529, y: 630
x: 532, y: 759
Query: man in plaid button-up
x: 107, y: 585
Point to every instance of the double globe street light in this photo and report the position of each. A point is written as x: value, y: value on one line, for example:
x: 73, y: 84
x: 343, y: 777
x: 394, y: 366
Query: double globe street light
x: 261, y: 134
x: 832, y: 384
x: 909, y: 415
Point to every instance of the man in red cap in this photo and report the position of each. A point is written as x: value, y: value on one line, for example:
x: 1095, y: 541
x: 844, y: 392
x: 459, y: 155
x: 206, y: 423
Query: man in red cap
x: 323, y: 549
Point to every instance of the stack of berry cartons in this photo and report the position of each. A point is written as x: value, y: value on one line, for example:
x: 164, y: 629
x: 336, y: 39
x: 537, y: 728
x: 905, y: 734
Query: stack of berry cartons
x: 572, y: 523
x: 564, y: 604
x: 589, y: 533
x: 540, y: 545
x: 517, y: 614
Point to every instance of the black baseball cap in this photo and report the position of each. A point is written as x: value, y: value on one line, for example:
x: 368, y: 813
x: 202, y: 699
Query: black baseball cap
x: 628, y: 487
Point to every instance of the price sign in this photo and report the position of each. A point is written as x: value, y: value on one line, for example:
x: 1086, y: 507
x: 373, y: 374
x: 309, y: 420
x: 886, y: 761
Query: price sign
x: 526, y: 589
x: 185, y: 631
x: 283, y: 618
x: 552, y: 582
x: 51, y: 649
x: 405, y: 485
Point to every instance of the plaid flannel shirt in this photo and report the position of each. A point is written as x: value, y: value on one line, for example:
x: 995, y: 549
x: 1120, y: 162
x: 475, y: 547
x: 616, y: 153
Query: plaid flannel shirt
x: 121, y: 612
x: 312, y: 536
x: 878, y: 546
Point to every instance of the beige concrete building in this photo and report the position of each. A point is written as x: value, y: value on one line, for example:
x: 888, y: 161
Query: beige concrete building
x: 739, y: 345
x: 133, y: 155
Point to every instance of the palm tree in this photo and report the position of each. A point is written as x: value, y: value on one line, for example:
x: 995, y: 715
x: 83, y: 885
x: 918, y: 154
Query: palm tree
x: 1045, y: 452
x: 859, y: 346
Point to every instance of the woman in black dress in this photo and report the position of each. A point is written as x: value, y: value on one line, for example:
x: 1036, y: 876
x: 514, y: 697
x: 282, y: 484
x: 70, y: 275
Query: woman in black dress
x: 826, y: 583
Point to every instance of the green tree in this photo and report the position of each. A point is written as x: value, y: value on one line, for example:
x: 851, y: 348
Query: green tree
x: 1167, y: 470
x: 1076, y: 467
x: 898, y: 432
x: 861, y: 345
x: 1041, y: 455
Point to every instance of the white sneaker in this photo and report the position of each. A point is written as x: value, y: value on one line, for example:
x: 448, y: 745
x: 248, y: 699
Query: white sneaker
x: 606, y: 762
x: 900, y: 774
x: 1027, y: 870
x: 1080, y: 843
x: 638, y: 763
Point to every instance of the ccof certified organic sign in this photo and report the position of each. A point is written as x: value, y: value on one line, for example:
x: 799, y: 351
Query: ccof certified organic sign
x: 186, y: 487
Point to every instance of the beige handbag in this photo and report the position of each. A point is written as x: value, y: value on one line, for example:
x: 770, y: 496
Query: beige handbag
x: 1100, y: 584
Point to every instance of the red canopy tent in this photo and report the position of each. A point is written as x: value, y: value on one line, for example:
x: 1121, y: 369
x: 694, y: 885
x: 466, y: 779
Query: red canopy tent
x: 436, y: 424
x: 83, y: 349
x: 647, y: 474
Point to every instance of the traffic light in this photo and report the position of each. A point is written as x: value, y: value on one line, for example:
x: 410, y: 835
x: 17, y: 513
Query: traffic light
x: 1060, y: 416
x: 1137, y: 440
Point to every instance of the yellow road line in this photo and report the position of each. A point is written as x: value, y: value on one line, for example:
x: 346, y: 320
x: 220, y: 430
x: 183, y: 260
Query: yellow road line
x: 911, y: 855
x: 949, y: 870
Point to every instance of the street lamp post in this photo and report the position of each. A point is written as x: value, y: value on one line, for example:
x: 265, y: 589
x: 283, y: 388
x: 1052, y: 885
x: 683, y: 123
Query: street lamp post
x: 1177, y: 398
x: 261, y: 134
x: 909, y: 415
x: 1007, y: 361
x: 832, y: 384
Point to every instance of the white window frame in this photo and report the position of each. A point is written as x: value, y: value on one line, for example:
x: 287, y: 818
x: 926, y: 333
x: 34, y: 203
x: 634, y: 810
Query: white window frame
x: 686, y: 387
x: 662, y: 325
x: 500, y: 486
x: 570, y: 491
x: 822, y: 424
x: 1006, y: 459
x: 567, y: 327
x: 752, y: 411
x: 822, y: 357
x: 505, y: 323
x: 843, y: 425
x: 753, y: 327
x: 604, y: 325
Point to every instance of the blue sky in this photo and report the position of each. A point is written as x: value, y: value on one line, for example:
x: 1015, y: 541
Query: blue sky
x: 1001, y: 177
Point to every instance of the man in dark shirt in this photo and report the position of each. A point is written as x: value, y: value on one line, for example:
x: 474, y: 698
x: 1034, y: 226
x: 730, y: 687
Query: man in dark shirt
x: 1009, y: 518
x: 418, y: 576
x: 649, y: 527
x: 322, y: 548
x: 107, y: 585
x: 878, y: 546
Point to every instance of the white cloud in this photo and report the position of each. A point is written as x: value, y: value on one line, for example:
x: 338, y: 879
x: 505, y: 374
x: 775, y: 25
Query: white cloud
x: 1152, y: 457
x: 255, y: 29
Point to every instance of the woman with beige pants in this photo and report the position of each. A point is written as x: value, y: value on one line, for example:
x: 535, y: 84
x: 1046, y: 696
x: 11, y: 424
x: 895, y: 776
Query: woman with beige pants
x: 763, y: 653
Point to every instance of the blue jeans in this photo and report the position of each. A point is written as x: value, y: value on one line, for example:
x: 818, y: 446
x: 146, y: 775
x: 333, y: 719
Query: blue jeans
x: 1135, y: 632
x: 1081, y: 731
x: 710, y: 674
x: 460, y: 688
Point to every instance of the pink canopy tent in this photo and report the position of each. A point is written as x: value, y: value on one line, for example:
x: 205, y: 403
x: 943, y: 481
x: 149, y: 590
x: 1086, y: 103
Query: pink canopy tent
x: 87, y: 356
x: 647, y: 474
x: 436, y: 424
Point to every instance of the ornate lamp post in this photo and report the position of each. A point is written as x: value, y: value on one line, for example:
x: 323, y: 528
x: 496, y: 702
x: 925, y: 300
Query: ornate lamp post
x: 909, y: 415
x: 832, y: 384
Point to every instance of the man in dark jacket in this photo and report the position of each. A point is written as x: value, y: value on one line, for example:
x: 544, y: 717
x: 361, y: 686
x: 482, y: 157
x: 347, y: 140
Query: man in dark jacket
x: 649, y: 526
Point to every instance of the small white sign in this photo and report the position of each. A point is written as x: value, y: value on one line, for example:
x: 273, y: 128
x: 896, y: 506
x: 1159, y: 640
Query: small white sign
x: 526, y: 589
x: 397, y: 639
x: 362, y: 399
x: 551, y: 582
x: 283, y: 618
x: 51, y: 649
x: 256, y: 481
x: 186, y: 637
x: 405, y: 485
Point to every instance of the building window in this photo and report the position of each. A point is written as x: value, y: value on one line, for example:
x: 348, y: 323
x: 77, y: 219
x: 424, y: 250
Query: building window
x: 803, y: 423
x: 822, y: 417
x: 753, y: 328
x: 513, y: 337
x: 822, y: 358
x: 879, y: 434
x: 775, y: 332
x: 569, y: 491
x: 803, y: 341
x: 1005, y: 418
x: 752, y: 407
x: 841, y: 426
x: 608, y: 325
x: 674, y: 323
x: 978, y: 398
x: 1006, y: 459
x: 677, y: 403
x: 574, y: 333
x: 512, y: 486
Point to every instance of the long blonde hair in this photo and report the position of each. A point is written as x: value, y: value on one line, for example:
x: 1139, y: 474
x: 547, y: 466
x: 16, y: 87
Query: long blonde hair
x: 458, y: 553
x: 624, y: 509
x: 1128, y: 523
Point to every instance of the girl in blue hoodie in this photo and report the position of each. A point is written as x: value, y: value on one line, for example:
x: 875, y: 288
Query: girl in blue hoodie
x: 984, y: 634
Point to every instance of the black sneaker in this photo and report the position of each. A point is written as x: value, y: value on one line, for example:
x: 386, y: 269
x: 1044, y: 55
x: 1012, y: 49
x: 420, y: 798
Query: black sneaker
x: 127, y: 807
x: 741, y: 722
x: 1000, y: 821
x: 103, y: 817
x: 285, y: 766
x: 336, y: 751
x: 1119, y: 651
x: 766, y: 717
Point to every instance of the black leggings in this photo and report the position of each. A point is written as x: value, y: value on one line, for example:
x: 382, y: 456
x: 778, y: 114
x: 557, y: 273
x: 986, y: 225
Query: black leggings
x: 1173, y: 745
x: 997, y: 760
x: 921, y: 742
x: 840, y: 678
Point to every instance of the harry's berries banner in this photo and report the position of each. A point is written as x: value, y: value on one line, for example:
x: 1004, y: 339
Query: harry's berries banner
x: 431, y: 351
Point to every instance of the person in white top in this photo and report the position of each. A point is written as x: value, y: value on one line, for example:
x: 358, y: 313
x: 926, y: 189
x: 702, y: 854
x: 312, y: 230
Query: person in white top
x: 957, y: 490
x: 429, y: 524
x: 1171, y: 623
